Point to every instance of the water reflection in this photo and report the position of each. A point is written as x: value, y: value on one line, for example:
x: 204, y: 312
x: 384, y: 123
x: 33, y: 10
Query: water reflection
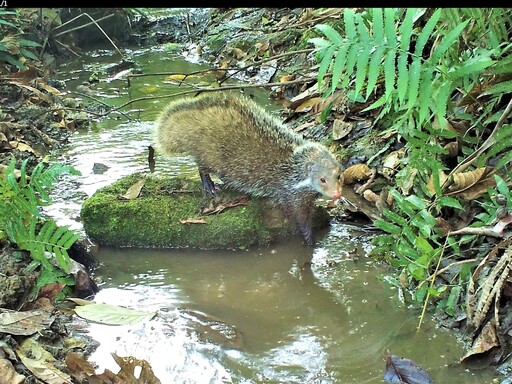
x: 330, y: 324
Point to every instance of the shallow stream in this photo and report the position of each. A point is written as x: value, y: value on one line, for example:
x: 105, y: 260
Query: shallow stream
x: 248, y: 316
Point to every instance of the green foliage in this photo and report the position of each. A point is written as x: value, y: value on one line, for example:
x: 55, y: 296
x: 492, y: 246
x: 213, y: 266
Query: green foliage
x: 420, y: 65
x: 414, y: 63
x: 20, y: 219
x: 14, y: 48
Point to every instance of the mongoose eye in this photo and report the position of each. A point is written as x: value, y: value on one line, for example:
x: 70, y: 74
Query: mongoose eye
x: 322, y: 180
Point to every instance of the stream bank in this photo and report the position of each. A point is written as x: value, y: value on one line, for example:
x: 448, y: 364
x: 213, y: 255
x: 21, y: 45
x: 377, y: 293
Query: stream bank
x: 232, y: 54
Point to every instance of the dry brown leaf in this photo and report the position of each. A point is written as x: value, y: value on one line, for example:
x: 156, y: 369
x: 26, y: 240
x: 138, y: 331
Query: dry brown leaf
x: 20, y: 146
x: 478, y: 189
x: 8, y: 374
x: 304, y: 126
x: 40, y: 363
x: 371, y: 196
x: 244, y: 200
x: 489, y: 288
x: 24, y: 323
x: 127, y: 372
x: 134, y: 191
x: 452, y: 148
x: 486, y: 340
x: 193, y: 221
x: 356, y: 172
x: 465, y: 180
x: 308, y: 104
x: 341, y: 128
x: 430, y: 184
x: 391, y: 162
x: 79, y: 368
x: 51, y: 290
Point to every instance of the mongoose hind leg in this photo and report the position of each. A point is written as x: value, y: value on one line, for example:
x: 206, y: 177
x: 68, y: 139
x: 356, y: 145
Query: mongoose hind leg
x: 303, y: 216
x: 208, y: 185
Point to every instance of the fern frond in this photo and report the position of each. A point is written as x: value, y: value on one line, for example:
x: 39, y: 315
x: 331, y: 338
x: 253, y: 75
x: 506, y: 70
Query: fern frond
x: 374, y: 69
x: 338, y: 66
x: 20, y: 216
x: 361, y: 67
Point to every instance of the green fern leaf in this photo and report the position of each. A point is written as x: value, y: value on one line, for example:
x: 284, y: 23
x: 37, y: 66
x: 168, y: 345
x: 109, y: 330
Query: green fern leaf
x: 350, y: 27
x: 351, y: 61
x: 376, y: 104
x: 364, y: 34
x: 325, y: 63
x: 338, y: 66
x: 403, y: 79
x: 362, y: 63
x: 503, y: 87
x: 426, y: 32
x: 448, y: 41
x: 378, y: 25
x: 374, y: 69
x: 405, y: 38
x: 414, y: 82
x: 388, y: 227
x: 502, y: 66
x: 425, y: 101
x: 441, y: 100
x: 389, y: 73
x: 319, y: 42
x: 474, y: 65
x: 331, y: 34
x: 389, y: 27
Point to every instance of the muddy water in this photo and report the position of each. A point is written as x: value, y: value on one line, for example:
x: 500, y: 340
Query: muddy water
x: 251, y: 316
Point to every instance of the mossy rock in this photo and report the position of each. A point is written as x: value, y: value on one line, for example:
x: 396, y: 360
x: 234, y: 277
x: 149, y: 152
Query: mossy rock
x: 154, y: 219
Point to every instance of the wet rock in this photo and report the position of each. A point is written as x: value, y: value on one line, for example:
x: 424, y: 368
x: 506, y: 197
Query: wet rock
x: 173, y: 213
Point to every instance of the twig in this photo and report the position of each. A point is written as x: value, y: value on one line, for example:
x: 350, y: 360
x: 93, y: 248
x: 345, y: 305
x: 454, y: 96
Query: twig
x: 219, y: 69
x: 486, y: 144
x: 98, y: 26
x: 223, y: 88
x: 81, y: 26
x: 267, y: 60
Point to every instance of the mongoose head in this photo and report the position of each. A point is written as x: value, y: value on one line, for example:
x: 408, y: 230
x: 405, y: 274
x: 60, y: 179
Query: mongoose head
x: 326, y: 177
x: 323, y: 173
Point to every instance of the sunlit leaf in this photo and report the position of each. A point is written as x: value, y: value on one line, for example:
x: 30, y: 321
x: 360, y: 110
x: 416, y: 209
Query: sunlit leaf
x: 113, y: 314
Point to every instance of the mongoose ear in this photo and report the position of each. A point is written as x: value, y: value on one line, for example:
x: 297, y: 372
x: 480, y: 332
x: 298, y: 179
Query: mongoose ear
x: 310, y: 167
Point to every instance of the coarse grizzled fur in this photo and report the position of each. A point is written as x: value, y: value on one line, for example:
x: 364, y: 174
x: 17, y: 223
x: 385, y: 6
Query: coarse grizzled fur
x: 251, y: 151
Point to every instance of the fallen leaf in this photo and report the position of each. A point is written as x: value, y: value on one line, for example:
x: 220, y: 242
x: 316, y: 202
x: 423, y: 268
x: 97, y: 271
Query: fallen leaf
x: 20, y: 146
x: 341, y: 128
x: 8, y: 374
x: 487, y: 339
x: 391, y: 162
x: 51, y: 290
x: 79, y: 368
x: 133, y: 192
x: 244, y: 200
x: 356, y: 172
x: 113, y: 314
x: 193, y: 221
x: 24, y: 323
x: 308, y: 103
x: 402, y: 370
x: 40, y: 363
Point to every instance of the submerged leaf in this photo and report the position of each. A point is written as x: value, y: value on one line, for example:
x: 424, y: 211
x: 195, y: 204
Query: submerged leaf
x: 402, y: 370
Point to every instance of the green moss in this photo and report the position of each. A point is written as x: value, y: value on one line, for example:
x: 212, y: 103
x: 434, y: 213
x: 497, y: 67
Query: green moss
x: 153, y: 219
